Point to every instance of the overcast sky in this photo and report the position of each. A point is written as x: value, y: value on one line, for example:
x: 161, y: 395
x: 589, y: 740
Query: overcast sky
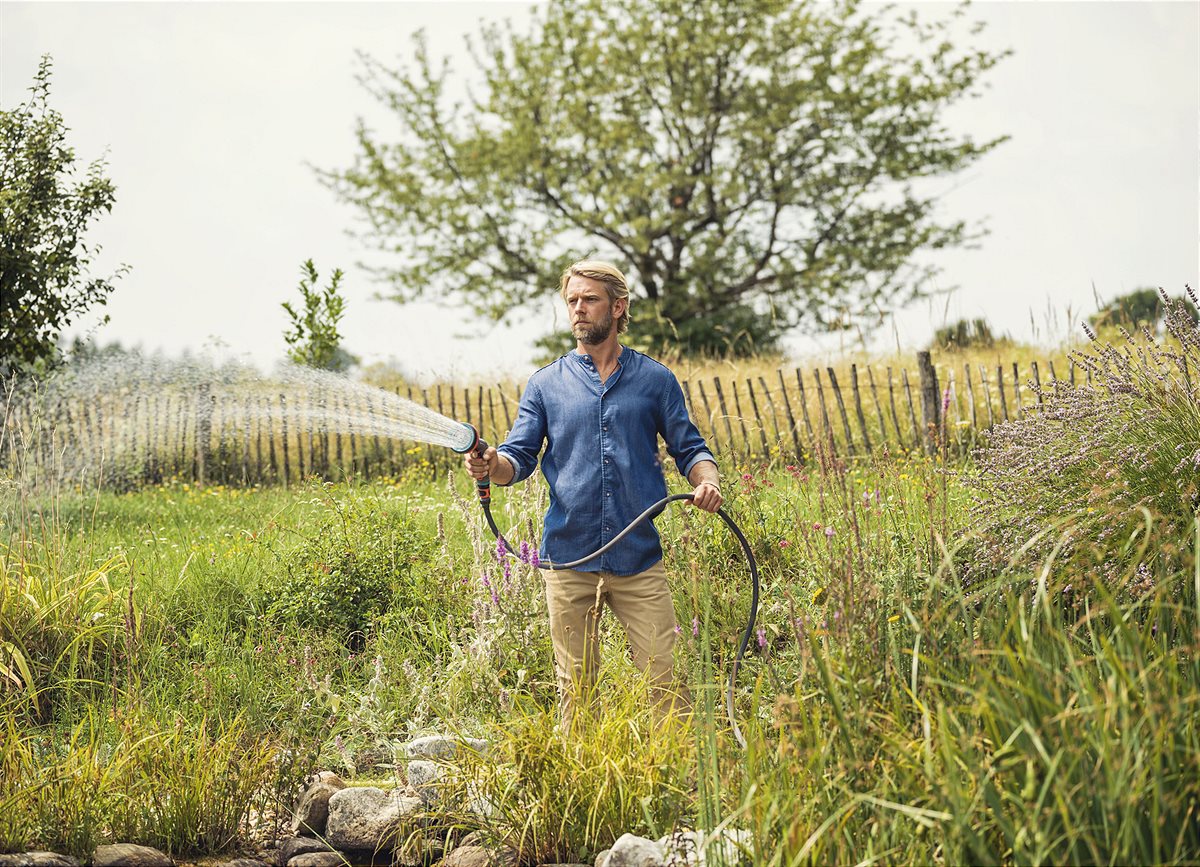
x: 212, y: 113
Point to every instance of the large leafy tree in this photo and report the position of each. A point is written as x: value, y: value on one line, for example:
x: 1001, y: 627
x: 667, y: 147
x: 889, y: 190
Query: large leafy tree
x: 44, y: 214
x: 754, y: 164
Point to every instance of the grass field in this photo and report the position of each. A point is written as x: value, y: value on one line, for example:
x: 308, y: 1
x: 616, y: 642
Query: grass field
x: 982, y: 660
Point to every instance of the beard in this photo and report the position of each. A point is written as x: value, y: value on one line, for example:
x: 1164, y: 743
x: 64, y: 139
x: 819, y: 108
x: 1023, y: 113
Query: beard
x: 594, y: 333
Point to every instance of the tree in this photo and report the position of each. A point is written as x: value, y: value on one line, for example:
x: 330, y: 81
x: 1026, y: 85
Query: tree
x: 313, y: 335
x: 965, y: 334
x: 751, y: 164
x: 1143, y: 306
x: 44, y: 260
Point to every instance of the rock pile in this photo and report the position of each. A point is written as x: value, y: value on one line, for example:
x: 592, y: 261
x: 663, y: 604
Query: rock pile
x: 335, y: 824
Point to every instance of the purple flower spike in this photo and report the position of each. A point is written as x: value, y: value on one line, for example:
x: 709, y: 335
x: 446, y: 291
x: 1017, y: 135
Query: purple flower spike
x: 534, y: 560
x: 762, y: 639
x: 524, y: 555
x: 695, y: 627
x: 501, y: 549
x: 829, y: 532
x: 946, y: 400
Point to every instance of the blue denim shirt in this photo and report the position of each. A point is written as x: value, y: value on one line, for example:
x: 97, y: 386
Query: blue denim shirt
x: 601, y: 458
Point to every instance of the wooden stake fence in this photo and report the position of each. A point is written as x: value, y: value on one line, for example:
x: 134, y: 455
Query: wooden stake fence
x: 211, y: 438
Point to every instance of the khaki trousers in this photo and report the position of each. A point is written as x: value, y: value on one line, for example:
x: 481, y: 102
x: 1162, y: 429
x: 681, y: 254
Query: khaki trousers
x: 642, y: 602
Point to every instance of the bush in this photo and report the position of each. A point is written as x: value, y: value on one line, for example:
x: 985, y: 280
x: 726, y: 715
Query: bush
x: 362, y: 561
x: 965, y: 334
x: 1097, y: 459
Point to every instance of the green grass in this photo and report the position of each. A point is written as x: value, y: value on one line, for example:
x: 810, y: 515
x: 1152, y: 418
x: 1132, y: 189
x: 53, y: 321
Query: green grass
x: 916, y: 692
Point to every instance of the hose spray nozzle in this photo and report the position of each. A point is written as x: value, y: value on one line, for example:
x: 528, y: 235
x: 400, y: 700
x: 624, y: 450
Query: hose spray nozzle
x: 483, y: 487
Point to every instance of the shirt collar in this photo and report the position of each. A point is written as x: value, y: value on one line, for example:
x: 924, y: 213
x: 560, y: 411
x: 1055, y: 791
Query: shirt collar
x: 586, y: 360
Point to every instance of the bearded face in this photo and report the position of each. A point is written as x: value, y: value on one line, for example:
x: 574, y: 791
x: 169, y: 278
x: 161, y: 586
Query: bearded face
x: 594, y: 332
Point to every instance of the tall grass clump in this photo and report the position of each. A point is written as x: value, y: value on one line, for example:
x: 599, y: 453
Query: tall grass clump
x: 1094, y: 456
x: 180, y: 786
x: 560, y: 793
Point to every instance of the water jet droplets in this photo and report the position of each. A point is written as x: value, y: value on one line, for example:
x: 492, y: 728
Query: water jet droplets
x: 132, y: 418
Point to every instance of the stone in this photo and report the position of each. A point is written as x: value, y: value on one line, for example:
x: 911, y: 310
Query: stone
x: 331, y: 778
x: 602, y: 859
x: 562, y: 864
x: 243, y: 862
x: 293, y: 846
x: 481, y: 856
x: 633, y: 851
x: 423, y: 777
x: 129, y: 855
x: 443, y: 747
x: 38, y: 859
x: 687, y: 848
x: 364, y: 817
x: 312, y: 810
x: 318, y: 859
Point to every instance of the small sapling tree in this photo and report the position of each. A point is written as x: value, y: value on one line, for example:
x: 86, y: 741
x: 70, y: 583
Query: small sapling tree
x: 313, y: 337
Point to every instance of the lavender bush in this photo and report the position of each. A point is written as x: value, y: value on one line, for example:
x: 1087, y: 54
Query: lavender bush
x: 1113, y: 463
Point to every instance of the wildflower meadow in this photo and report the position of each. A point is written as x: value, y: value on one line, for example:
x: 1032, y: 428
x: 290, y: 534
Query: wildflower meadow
x: 975, y: 655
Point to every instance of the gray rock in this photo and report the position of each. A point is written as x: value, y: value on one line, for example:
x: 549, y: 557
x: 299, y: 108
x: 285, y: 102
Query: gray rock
x: 318, y: 859
x: 443, y: 747
x: 243, y: 862
x: 687, y: 848
x: 364, y: 817
x: 423, y: 777
x: 293, y: 846
x: 38, y: 859
x: 633, y: 851
x: 602, y: 859
x: 312, y: 811
x: 481, y: 856
x: 129, y: 855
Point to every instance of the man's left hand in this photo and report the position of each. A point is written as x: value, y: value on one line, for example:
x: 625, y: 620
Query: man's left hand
x: 707, y: 497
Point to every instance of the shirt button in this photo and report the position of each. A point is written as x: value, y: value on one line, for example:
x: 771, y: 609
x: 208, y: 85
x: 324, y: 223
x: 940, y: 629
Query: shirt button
x: 608, y: 493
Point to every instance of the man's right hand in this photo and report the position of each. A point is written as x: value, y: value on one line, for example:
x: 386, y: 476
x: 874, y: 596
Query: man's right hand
x: 478, y: 467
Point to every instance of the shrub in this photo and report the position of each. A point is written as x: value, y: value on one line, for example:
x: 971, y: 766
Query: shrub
x: 965, y: 334
x: 362, y: 561
x: 1095, y: 459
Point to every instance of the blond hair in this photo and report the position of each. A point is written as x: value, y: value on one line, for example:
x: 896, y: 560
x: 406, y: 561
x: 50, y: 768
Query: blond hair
x: 612, y: 278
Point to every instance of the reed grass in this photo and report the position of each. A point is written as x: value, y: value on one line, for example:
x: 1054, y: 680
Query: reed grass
x: 907, y: 699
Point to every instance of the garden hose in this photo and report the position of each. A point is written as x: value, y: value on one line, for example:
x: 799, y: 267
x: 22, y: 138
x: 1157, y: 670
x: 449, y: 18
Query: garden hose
x: 483, y: 489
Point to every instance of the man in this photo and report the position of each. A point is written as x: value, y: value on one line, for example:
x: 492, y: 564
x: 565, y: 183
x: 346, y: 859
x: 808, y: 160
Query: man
x: 599, y: 410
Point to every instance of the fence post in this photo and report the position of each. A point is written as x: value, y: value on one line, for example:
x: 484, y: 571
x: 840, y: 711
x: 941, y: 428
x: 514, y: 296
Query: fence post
x: 858, y: 408
x: 930, y: 401
x: 787, y: 405
x: 812, y: 437
x: 724, y: 414
x: 203, y: 429
x: 762, y: 428
x: 708, y: 414
x: 837, y: 393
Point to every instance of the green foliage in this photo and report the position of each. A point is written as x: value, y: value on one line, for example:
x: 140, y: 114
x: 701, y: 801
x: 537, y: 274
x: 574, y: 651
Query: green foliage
x: 897, y: 709
x: 751, y: 165
x: 360, y: 563
x: 1099, y: 457
x: 1132, y: 310
x: 964, y: 334
x: 95, y: 782
x: 313, y: 335
x: 44, y: 259
x: 564, y: 796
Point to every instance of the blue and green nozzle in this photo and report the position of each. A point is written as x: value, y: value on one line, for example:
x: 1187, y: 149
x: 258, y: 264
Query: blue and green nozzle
x: 478, y: 445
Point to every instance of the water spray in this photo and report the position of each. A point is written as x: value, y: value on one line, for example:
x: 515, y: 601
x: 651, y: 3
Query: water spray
x: 472, y: 442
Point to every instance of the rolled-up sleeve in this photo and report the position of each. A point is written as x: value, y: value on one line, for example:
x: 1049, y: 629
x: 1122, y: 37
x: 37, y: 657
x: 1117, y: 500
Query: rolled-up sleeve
x: 524, y: 441
x: 683, y: 439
